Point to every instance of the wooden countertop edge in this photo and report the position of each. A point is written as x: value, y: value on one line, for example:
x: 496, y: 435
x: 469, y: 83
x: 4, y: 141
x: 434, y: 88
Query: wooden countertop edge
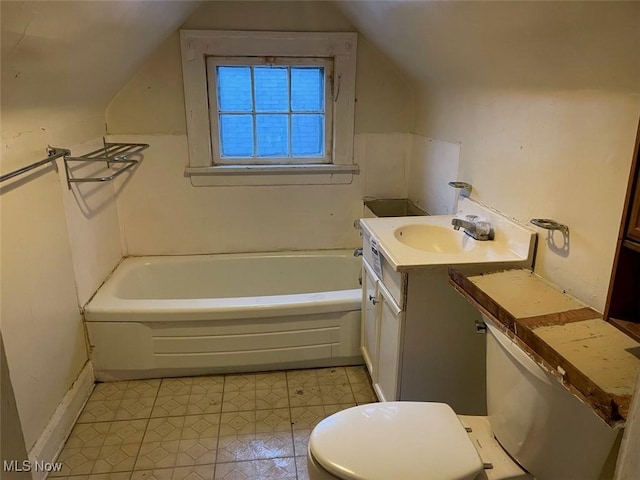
x: 480, y: 299
x: 611, y: 408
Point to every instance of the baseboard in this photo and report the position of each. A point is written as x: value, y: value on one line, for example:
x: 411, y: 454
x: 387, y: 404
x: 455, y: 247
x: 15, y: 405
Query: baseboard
x: 50, y: 443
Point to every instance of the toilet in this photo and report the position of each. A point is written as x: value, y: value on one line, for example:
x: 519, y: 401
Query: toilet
x: 535, y: 428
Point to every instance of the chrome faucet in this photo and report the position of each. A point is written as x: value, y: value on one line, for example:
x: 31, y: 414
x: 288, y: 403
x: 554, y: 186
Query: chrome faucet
x: 477, y: 229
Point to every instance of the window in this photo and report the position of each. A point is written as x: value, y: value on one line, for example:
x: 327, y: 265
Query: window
x: 267, y: 108
x: 270, y: 110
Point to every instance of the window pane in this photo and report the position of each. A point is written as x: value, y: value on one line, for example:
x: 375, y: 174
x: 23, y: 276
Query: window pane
x: 307, y: 137
x: 307, y: 89
x: 271, y: 86
x: 234, y: 89
x: 272, y: 135
x: 236, y: 135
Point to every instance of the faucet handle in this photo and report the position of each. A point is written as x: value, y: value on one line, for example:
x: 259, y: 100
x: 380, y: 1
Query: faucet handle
x: 485, y: 230
x: 472, y: 218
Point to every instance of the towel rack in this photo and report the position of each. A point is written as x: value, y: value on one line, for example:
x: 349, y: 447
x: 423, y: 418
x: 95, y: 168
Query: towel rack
x: 53, y: 155
x: 111, y: 153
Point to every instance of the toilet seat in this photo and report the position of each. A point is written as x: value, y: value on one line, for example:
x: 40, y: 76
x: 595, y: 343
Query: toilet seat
x: 407, y: 440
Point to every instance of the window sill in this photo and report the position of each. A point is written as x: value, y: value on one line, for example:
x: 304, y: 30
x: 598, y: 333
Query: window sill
x: 229, y: 175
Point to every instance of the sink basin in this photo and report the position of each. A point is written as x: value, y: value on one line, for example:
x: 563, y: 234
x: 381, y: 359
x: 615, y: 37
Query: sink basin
x: 415, y: 242
x: 434, y: 238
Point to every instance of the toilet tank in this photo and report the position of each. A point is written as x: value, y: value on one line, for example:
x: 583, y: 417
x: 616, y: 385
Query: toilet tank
x: 551, y: 433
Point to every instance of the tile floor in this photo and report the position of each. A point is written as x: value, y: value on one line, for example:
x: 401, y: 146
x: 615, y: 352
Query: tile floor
x: 248, y: 426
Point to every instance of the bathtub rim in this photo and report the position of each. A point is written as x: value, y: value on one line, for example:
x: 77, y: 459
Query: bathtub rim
x: 105, y: 306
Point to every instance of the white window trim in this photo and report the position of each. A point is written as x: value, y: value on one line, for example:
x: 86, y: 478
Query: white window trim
x: 327, y: 112
x: 196, y: 45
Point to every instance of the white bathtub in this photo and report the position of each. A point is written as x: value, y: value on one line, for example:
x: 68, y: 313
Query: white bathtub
x: 187, y: 315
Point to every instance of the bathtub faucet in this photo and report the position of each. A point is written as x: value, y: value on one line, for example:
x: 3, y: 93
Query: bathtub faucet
x: 473, y: 227
x: 357, y: 252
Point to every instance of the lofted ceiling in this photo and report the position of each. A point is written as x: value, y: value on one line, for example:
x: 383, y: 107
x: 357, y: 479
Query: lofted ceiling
x: 78, y: 54
x: 507, y: 45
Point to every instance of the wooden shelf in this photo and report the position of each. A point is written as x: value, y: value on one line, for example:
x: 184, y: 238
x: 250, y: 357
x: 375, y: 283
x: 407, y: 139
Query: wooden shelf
x: 593, y: 359
x: 631, y: 245
x: 622, y: 308
x: 630, y: 327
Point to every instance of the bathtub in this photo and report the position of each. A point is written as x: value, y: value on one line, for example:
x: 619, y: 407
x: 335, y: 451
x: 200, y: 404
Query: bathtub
x: 197, y: 314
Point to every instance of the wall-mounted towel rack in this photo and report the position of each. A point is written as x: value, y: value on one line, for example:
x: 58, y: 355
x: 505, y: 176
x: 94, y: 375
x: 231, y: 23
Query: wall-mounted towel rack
x: 53, y: 155
x: 111, y: 153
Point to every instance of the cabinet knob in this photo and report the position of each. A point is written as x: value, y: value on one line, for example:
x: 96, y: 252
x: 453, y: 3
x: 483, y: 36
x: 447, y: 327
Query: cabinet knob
x: 372, y: 299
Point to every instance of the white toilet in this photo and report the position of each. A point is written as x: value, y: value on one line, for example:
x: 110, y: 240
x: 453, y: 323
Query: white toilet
x: 532, y: 419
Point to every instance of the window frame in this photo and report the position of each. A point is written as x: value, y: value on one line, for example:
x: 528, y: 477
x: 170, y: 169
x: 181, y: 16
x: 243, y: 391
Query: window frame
x: 214, y: 110
x: 197, y: 45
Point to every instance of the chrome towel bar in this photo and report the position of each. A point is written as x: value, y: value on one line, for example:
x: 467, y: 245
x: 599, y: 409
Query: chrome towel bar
x: 112, y: 153
x: 53, y: 155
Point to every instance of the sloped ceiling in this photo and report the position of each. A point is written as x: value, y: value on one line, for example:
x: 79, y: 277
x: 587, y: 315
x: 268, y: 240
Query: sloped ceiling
x: 507, y: 45
x: 78, y: 54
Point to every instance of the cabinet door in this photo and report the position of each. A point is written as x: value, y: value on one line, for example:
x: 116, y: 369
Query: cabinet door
x: 391, y: 321
x: 369, y: 325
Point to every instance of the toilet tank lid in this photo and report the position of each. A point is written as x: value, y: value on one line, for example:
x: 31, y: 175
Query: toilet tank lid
x: 407, y: 440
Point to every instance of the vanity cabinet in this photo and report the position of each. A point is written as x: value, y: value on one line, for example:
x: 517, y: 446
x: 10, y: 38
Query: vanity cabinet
x: 419, y: 340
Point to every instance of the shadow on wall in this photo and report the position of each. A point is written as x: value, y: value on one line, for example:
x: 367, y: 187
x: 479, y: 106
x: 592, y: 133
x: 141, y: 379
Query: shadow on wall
x: 558, y: 242
x: 557, y: 235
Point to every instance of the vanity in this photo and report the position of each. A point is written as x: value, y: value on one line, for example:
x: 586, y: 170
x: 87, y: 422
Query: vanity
x: 421, y: 341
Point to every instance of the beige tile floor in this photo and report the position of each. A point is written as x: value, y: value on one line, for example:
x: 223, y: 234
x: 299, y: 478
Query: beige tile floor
x: 248, y: 426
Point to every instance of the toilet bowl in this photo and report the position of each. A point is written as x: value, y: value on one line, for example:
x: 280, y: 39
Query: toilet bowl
x: 535, y: 428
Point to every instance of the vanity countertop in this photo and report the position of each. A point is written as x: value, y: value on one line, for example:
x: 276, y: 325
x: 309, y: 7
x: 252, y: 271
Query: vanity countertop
x: 589, y: 356
x: 412, y: 242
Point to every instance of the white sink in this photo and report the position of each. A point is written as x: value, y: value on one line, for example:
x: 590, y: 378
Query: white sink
x: 434, y: 238
x: 410, y: 242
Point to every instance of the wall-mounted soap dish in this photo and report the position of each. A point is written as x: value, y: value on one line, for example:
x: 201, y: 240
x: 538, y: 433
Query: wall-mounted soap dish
x: 465, y: 188
x: 549, y: 224
x: 553, y: 243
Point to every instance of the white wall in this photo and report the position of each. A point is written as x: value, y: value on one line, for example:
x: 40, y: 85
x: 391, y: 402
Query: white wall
x: 559, y: 155
x: 61, y: 64
x: 162, y: 213
x: 12, y: 445
x: 40, y: 321
x: 92, y: 223
x: 431, y: 165
x: 153, y: 100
